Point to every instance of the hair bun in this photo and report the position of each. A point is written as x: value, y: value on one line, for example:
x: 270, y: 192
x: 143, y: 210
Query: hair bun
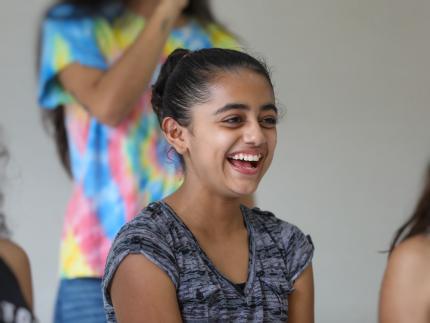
x: 165, y: 72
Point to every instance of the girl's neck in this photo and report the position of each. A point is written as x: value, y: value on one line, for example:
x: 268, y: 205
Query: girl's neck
x: 206, y: 212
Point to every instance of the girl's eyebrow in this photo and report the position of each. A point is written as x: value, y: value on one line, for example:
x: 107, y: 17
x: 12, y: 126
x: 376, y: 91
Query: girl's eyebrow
x: 242, y: 106
x: 269, y: 106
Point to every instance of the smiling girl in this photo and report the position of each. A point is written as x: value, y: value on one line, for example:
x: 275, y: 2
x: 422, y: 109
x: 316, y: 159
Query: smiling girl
x: 199, y: 255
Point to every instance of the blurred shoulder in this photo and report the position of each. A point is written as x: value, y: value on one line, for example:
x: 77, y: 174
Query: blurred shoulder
x: 13, y: 254
x: 411, y: 258
x: 405, y: 290
x: 70, y: 11
x: 63, y: 11
x: 18, y: 262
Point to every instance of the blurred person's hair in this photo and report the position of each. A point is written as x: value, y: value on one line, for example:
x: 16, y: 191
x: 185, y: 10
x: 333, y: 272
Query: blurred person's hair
x: 419, y: 222
x: 53, y: 120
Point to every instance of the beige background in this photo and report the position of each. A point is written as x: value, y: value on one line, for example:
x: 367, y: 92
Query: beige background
x: 353, y: 76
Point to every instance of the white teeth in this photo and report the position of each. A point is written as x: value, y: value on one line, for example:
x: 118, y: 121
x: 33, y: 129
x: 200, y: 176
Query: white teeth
x: 247, y: 157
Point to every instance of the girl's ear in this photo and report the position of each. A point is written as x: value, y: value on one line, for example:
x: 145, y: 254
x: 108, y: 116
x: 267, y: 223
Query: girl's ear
x: 175, y: 134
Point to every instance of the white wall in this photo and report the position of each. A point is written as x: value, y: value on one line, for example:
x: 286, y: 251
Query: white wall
x: 353, y: 76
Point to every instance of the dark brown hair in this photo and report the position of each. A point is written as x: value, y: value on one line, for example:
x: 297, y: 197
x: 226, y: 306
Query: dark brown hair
x: 186, y: 75
x: 419, y: 222
x: 53, y: 120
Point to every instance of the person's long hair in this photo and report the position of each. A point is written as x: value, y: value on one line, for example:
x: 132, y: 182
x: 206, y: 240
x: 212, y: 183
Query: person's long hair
x: 53, y: 120
x: 419, y: 222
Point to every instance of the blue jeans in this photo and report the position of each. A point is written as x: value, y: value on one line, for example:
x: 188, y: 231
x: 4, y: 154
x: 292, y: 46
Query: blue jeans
x: 79, y: 301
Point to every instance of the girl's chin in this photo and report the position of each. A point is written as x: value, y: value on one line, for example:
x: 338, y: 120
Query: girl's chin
x: 241, y: 192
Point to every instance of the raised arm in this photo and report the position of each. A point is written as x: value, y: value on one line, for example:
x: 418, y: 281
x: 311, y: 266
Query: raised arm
x: 301, y: 301
x: 110, y: 95
x: 142, y: 292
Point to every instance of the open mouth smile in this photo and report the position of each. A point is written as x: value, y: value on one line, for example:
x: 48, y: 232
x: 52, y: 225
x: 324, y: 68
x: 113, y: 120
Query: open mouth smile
x: 245, y: 163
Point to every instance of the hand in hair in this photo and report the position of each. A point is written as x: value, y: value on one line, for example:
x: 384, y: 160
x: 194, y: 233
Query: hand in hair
x: 177, y: 5
x: 111, y: 95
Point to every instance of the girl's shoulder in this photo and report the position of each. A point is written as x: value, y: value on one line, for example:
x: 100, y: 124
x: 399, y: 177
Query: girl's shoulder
x: 69, y: 21
x: 154, y: 221
x: 411, y: 258
x: 270, y: 221
x: 149, y: 233
x: 296, y: 247
x: 283, y: 232
x: 13, y: 255
x: 155, y: 213
x: 65, y: 11
x: 16, y: 259
x: 72, y: 12
x: 406, y: 283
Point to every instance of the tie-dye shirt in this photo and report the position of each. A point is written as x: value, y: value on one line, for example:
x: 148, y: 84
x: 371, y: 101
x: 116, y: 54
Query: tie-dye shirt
x: 116, y: 170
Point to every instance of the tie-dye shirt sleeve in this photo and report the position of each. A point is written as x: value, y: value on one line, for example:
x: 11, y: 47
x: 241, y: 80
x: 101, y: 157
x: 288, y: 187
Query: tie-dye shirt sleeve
x: 221, y: 38
x: 66, y: 38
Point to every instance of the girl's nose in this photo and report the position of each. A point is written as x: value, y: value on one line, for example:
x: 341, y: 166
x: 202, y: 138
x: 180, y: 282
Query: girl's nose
x: 253, y: 134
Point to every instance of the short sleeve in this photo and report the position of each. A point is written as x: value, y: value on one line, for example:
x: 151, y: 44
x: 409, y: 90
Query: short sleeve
x: 66, y: 38
x: 299, y: 250
x: 140, y: 236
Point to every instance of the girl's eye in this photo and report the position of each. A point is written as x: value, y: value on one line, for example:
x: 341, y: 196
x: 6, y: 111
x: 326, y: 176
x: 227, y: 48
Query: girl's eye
x: 269, y: 122
x: 233, y: 120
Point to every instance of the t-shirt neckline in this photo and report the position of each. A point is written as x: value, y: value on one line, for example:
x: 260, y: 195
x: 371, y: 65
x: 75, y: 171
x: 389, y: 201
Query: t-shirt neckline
x: 251, y: 249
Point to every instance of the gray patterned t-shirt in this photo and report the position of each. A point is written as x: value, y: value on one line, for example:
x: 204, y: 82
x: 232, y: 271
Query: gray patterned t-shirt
x: 278, y: 253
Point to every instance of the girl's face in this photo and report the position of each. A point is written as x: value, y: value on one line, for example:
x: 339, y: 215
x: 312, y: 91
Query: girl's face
x: 232, y: 138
